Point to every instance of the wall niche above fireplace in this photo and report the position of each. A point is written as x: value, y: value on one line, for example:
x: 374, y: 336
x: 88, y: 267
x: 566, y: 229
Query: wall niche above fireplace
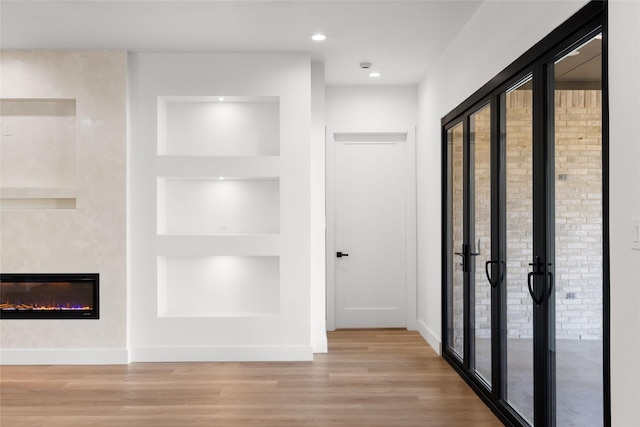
x: 38, y: 162
x: 49, y: 296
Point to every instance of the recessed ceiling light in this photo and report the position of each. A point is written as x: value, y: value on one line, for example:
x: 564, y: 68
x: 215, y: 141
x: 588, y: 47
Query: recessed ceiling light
x: 374, y: 74
x: 318, y: 37
x: 221, y: 178
x: 221, y: 99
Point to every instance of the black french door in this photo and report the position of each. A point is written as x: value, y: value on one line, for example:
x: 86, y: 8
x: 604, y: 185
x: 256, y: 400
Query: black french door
x: 525, y: 252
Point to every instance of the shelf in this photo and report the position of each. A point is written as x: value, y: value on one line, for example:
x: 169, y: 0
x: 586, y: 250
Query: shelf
x: 37, y: 198
x: 20, y: 204
x: 37, y: 193
x: 219, y: 245
x: 200, y: 166
x: 214, y: 206
x: 174, y: 314
x: 206, y: 126
x: 218, y: 286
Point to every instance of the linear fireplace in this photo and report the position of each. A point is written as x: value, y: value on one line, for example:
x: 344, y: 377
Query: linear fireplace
x: 49, y: 296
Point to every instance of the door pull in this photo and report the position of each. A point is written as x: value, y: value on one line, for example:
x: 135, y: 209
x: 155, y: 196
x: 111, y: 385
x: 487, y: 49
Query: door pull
x: 463, y: 255
x: 537, y: 267
x: 340, y: 254
x: 493, y: 282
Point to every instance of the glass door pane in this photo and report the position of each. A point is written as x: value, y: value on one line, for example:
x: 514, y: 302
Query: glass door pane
x: 517, y: 138
x: 480, y: 240
x: 579, y: 236
x: 455, y: 297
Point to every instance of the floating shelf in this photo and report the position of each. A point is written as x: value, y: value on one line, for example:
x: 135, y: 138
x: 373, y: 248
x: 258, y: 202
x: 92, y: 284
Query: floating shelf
x: 37, y: 198
x: 37, y: 193
x: 201, y: 166
x: 218, y: 313
x: 236, y: 245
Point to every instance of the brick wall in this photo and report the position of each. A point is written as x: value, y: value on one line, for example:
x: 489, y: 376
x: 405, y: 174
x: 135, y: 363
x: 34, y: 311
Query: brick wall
x: 578, y: 214
x: 578, y: 187
x: 519, y: 213
x: 480, y: 138
x: 456, y: 297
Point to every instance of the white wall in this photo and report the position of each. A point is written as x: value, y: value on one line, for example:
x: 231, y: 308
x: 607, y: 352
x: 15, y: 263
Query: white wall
x: 480, y: 52
x: 284, y: 331
x: 483, y: 44
x: 624, y: 120
x: 89, y: 238
x: 353, y: 107
x: 370, y: 109
x: 317, y: 194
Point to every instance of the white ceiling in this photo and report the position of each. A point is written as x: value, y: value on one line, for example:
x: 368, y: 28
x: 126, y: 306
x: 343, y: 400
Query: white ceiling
x: 401, y: 38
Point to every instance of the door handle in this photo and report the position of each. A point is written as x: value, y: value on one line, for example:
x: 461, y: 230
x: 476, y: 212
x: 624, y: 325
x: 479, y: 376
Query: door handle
x: 465, y: 257
x: 493, y: 282
x: 537, y: 266
x: 538, y: 301
x: 340, y: 254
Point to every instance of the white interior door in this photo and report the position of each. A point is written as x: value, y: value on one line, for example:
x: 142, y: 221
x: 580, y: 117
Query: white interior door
x: 370, y: 226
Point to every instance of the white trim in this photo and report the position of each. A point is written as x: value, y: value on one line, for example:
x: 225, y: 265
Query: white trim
x: 411, y: 232
x: 370, y: 137
x: 223, y: 354
x: 431, y: 338
x: 330, y: 153
x: 79, y: 356
x: 320, y: 344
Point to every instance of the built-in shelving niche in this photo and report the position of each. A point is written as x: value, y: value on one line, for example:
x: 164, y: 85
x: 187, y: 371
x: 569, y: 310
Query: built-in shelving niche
x: 218, y: 206
x: 210, y: 206
x: 218, y: 126
x: 218, y: 286
x: 38, y: 153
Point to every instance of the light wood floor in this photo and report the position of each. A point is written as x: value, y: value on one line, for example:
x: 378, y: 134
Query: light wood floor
x: 387, y: 378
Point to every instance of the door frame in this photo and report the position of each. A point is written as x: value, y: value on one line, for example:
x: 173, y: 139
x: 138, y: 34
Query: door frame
x: 410, y: 218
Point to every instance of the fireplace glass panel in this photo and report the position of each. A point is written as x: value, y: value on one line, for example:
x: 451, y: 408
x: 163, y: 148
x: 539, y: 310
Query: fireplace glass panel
x: 49, y: 296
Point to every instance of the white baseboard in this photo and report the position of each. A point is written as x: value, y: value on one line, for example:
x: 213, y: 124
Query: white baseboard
x: 320, y: 344
x: 432, y: 339
x: 174, y: 354
x: 223, y: 354
x: 74, y: 356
